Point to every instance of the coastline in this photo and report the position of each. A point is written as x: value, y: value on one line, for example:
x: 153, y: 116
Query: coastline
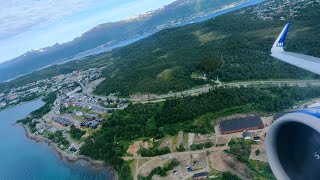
x: 24, y: 102
x: 95, y: 164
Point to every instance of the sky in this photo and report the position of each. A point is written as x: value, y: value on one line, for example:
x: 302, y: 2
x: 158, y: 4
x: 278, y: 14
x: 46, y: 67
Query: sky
x: 35, y: 24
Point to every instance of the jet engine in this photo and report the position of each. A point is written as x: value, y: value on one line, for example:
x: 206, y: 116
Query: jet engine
x: 293, y: 145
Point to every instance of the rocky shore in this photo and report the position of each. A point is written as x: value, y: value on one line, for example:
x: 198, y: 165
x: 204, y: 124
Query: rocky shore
x: 84, y: 160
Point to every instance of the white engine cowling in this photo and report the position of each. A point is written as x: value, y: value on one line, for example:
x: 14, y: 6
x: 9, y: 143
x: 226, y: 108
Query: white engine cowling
x: 293, y: 145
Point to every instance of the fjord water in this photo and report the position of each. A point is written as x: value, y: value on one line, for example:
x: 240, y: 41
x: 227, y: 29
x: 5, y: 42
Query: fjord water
x: 105, y: 48
x: 23, y: 158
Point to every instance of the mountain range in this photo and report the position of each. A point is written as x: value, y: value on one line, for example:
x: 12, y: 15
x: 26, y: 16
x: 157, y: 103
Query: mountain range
x: 113, y: 33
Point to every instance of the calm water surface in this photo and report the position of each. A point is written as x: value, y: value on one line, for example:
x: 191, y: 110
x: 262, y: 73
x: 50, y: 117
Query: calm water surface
x: 23, y: 158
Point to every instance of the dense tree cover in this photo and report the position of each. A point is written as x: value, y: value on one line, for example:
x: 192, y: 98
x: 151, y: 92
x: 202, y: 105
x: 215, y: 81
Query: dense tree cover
x: 30, y: 97
x: 232, y: 46
x: 156, y: 120
x: 269, y: 99
x: 49, y: 100
x: 257, y: 152
x: 240, y: 148
x: 76, y: 133
x: 260, y: 169
x: 161, y: 171
x: 156, y: 151
x: 181, y: 148
x: 111, y: 141
x: 58, y: 138
x: 229, y: 176
x: 201, y: 146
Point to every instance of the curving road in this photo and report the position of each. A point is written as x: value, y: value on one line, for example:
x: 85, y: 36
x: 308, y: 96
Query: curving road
x: 203, y: 89
x: 206, y: 88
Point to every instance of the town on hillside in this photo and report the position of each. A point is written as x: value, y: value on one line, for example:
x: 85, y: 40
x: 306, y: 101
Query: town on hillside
x: 236, y: 145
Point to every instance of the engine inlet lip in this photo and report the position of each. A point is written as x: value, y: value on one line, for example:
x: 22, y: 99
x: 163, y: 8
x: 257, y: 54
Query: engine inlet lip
x: 271, y: 148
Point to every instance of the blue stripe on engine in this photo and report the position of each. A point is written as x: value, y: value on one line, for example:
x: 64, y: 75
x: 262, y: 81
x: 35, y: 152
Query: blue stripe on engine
x: 312, y: 111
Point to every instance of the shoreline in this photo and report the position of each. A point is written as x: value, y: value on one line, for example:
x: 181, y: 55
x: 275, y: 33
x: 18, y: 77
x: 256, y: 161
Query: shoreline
x: 95, y: 164
x: 21, y: 103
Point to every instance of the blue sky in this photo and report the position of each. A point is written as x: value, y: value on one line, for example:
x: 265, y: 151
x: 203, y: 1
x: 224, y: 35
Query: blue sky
x: 34, y: 24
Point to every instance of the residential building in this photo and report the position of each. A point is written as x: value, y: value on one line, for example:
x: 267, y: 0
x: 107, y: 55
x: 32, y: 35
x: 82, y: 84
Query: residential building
x: 202, y: 175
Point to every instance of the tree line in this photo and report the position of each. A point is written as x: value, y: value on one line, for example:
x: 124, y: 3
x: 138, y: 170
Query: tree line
x: 155, y: 120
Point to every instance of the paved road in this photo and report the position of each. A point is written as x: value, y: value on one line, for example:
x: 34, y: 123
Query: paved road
x: 203, y: 89
x: 175, y: 154
x: 206, y: 88
x: 89, y: 94
x: 189, y: 152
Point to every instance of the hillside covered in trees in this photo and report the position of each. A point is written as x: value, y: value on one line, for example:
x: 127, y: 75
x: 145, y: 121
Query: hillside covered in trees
x: 235, y: 46
x: 190, y: 114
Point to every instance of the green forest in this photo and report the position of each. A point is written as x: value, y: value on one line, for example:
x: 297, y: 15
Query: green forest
x: 76, y: 133
x: 39, y: 113
x: 155, y: 120
x: 233, y: 47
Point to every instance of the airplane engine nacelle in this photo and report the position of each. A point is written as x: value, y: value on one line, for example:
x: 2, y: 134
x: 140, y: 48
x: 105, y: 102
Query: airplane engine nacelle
x: 293, y: 145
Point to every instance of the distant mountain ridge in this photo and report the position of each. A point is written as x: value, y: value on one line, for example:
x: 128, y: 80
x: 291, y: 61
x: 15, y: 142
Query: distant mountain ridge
x: 173, y: 14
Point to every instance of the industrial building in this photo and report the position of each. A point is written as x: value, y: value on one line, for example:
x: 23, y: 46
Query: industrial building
x: 241, y: 124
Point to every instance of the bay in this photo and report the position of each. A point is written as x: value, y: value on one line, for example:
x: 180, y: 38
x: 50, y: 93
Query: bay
x: 23, y: 158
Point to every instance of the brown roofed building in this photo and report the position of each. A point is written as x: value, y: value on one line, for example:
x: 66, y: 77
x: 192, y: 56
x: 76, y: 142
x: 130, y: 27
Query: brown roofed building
x: 241, y: 124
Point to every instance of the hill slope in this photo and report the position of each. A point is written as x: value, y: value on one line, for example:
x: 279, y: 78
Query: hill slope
x: 110, y: 33
x: 234, y: 46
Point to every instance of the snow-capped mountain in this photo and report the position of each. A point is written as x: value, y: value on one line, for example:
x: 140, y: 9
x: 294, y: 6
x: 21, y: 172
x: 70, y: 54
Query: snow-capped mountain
x: 109, y: 34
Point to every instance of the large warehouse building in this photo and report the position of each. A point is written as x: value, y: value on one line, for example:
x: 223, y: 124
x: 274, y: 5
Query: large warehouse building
x: 241, y: 124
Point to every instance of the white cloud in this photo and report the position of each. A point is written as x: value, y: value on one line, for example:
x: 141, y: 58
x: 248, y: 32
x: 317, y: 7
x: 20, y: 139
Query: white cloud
x: 31, y: 24
x: 17, y: 16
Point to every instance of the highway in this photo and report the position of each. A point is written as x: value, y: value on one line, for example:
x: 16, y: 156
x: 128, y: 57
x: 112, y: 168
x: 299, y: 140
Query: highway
x: 207, y: 87
x: 203, y: 89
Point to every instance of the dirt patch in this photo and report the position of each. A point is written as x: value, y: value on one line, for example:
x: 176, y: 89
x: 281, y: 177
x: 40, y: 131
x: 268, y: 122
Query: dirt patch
x: 142, y: 161
x: 146, y: 169
x: 222, y: 140
x: 166, y: 142
x: 223, y: 162
x: 134, y: 148
x: 205, y: 37
x: 180, y: 139
x: 261, y: 157
x: 199, y: 138
x: 57, y: 125
x: 198, y: 161
x: 166, y: 75
x: 261, y: 146
x: 267, y: 121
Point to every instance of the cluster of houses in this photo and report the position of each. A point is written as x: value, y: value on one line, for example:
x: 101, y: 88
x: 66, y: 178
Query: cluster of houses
x: 92, y: 121
x: 62, y: 121
x: 80, y: 99
x: 44, y: 86
x: 251, y: 136
x: 90, y: 124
